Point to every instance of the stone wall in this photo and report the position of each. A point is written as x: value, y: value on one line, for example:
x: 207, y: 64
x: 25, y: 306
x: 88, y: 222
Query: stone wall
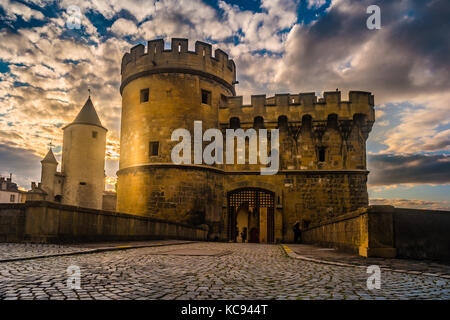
x: 198, y: 194
x: 367, y: 231
x: 422, y: 234
x: 47, y: 222
x: 385, y: 231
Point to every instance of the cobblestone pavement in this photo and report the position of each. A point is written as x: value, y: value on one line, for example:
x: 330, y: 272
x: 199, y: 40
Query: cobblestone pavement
x: 28, y: 250
x: 333, y: 255
x: 244, y: 271
x: 13, y: 251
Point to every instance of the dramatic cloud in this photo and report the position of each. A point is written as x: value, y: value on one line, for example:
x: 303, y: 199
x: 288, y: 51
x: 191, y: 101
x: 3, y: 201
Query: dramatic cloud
x: 46, y: 69
x: 413, y: 204
x: 14, y: 9
x: 406, y: 61
x: 21, y: 161
x: 316, y: 3
x: 408, y: 169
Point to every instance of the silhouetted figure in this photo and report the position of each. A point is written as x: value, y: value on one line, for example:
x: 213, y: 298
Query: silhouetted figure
x: 297, y: 232
x: 244, y: 235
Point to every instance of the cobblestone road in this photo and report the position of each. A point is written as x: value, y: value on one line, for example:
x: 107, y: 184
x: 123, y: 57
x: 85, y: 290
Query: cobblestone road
x: 29, y: 250
x: 243, y: 271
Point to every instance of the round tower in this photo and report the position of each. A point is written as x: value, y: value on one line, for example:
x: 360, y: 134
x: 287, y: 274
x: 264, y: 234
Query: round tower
x: 49, y: 165
x: 164, y: 90
x: 83, y: 159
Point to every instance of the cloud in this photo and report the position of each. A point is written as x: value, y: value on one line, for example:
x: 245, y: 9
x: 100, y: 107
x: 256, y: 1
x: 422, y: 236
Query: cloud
x: 22, y: 163
x: 123, y: 27
x: 388, y: 169
x: 316, y: 3
x: 413, y: 204
x: 14, y: 9
x: 406, y: 61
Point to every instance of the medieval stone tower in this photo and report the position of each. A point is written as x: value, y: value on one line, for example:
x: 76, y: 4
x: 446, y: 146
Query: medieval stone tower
x: 81, y: 181
x: 48, y: 175
x: 322, y: 142
x: 83, y: 159
x: 163, y: 90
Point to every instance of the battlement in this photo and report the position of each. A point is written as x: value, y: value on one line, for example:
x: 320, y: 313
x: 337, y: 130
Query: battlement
x: 295, y: 106
x: 178, y: 59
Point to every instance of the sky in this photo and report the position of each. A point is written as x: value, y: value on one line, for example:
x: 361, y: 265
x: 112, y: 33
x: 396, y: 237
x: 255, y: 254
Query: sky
x: 279, y: 46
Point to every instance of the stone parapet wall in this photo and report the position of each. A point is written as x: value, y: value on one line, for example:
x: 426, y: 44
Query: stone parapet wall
x: 422, y: 234
x: 367, y: 231
x: 385, y: 231
x: 295, y: 106
x: 47, y: 222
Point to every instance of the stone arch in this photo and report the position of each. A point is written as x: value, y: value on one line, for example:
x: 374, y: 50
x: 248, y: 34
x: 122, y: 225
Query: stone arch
x: 235, y: 123
x: 288, y: 147
x: 332, y: 121
x: 356, y: 143
x: 307, y: 121
x: 332, y: 142
x: 359, y: 119
x: 283, y: 122
x: 251, y: 211
x: 258, y: 122
x: 306, y: 144
x: 254, y: 184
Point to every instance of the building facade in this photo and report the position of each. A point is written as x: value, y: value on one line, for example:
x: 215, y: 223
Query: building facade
x: 322, y: 141
x: 9, y: 192
x: 81, y: 181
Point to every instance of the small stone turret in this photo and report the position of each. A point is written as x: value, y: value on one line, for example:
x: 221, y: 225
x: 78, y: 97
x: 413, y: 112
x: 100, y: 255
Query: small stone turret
x: 49, y: 165
x: 83, y: 159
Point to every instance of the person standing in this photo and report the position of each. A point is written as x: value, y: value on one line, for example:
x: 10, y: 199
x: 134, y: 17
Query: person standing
x: 297, y: 232
x: 244, y: 235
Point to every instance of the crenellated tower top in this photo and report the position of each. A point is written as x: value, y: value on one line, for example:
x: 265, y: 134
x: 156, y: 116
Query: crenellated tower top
x: 140, y: 62
x: 295, y: 106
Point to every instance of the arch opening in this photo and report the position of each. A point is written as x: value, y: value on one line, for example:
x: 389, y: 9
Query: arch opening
x: 235, y: 123
x: 251, y: 215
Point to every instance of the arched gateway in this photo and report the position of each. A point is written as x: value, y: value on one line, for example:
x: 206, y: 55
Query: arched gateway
x: 251, y: 209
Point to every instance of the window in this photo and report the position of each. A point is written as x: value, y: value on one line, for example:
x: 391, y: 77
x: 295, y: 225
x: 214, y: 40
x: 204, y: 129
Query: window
x: 82, y: 183
x: 322, y: 154
x: 154, y: 148
x: 206, y: 97
x: 94, y: 134
x: 12, y: 198
x: 144, y: 95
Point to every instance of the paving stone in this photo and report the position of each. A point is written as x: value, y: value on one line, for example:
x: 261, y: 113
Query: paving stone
x: 248, y: 271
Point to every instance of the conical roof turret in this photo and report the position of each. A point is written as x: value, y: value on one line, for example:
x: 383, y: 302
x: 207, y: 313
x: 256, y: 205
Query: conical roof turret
x: 49, y: 158
x: 88, y: 115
